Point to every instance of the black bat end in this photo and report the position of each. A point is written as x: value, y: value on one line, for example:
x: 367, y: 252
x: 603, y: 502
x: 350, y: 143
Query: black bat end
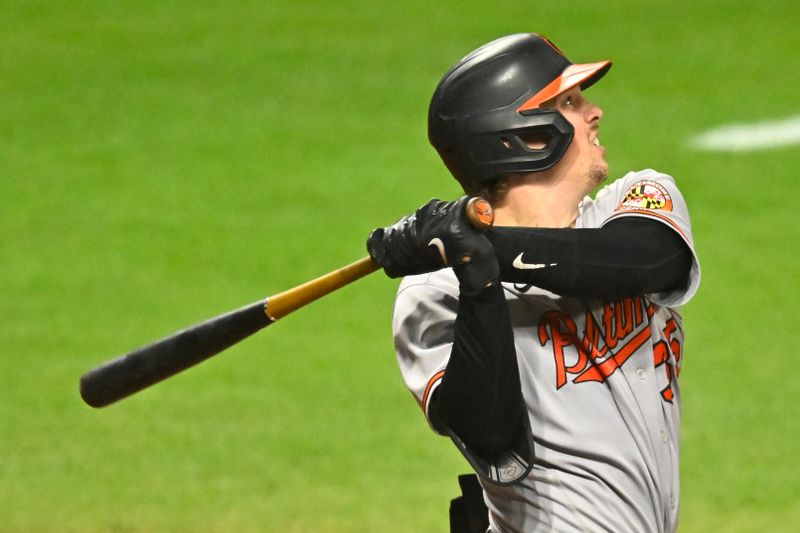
x: 130, y: 373
x: 92, y: 390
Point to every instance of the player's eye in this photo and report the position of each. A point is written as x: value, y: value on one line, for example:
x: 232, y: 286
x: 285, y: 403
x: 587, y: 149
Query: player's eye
x: 568, y: 101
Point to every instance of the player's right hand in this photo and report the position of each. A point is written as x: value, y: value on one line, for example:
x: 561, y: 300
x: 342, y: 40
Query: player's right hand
x: 438, y: 234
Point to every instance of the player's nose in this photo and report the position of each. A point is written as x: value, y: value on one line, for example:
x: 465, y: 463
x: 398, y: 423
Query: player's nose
x: 593, y: 112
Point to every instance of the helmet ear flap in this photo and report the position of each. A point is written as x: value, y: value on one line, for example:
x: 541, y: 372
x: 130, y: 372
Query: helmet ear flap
x: 555, y: 136
x: 534, y: 143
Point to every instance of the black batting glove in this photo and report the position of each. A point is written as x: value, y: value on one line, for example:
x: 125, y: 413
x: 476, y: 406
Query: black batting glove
x: 437, y: 235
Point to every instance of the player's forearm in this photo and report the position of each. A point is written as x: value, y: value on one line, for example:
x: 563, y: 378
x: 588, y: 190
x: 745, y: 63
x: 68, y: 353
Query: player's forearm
x: 480, y: 397
x: 627, y: 257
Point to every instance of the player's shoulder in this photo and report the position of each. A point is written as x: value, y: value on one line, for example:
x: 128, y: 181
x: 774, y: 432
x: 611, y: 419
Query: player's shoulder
x: 429, y: 297
x: 620, y: 185
x: 442, y: 282
x: 632, y: 185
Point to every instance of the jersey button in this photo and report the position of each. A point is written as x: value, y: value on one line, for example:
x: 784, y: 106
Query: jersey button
x: 663, y: 436
x: 641, y: 373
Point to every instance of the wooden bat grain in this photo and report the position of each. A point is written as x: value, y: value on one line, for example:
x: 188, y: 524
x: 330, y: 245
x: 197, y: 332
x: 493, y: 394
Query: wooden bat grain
x: 286, y: 302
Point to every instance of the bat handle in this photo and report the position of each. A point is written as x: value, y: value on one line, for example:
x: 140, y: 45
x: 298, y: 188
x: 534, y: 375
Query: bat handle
x: 281, y: 304
x: 478, y: 211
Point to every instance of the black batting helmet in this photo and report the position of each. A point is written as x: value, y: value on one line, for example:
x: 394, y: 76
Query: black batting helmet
x: 488, y: 105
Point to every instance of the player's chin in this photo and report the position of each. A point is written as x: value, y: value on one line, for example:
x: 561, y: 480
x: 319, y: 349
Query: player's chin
x: 599, y: 172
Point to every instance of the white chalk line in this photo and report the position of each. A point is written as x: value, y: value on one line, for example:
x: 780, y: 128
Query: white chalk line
x: 749, y: 137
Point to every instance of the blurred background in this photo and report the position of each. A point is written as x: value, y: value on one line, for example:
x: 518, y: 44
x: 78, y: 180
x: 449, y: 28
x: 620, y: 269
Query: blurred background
x: 163, y: 162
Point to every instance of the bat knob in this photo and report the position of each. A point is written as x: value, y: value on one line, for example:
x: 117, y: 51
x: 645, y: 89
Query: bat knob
x: 480, y: 213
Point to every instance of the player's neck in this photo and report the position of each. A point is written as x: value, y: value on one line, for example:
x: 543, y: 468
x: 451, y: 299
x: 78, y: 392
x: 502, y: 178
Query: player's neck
x: 539, y: 204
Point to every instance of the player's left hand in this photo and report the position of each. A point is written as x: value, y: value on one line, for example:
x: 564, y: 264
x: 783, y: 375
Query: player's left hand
x: 438, y: 234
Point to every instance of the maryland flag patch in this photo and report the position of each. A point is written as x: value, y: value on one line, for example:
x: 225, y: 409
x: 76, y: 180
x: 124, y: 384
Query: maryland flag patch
x: 646, y: 195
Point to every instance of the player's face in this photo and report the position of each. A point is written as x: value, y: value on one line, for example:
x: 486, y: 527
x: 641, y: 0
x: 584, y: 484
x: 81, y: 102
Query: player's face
x: 585, y: 157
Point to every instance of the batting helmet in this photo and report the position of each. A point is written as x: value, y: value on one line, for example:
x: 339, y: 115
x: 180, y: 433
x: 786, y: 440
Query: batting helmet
x: 487, y: 107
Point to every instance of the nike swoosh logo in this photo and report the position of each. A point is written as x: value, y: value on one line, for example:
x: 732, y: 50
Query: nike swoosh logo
x: 529, y: 266
x: 437, y: 242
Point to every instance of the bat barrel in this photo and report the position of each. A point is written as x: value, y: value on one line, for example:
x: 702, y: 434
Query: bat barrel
x: 141, y: 368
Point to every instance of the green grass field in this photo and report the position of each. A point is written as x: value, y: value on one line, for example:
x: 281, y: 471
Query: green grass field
x: 162, y: 162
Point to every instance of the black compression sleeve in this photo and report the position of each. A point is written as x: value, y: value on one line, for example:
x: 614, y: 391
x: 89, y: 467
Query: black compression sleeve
x: 480, y: 397
x: 626, y: 257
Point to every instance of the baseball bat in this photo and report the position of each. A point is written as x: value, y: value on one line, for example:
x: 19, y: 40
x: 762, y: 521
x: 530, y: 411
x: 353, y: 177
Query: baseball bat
x: 127, y: 374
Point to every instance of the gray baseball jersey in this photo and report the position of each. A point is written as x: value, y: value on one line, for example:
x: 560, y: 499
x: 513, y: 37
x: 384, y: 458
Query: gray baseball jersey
x: 600, y: 380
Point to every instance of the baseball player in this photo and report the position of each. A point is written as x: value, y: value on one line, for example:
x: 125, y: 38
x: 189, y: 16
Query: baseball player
x: 550, y: 349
